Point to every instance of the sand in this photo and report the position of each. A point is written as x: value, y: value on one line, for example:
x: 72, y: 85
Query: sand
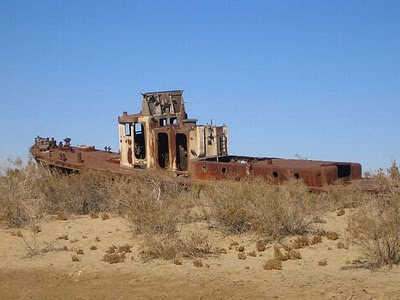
x: 53, y: 274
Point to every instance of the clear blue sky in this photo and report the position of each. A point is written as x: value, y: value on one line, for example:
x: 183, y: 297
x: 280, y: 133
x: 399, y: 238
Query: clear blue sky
x: 316, y: 78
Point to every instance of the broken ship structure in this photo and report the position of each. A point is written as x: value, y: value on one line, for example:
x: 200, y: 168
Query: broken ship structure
x: 162, y: 137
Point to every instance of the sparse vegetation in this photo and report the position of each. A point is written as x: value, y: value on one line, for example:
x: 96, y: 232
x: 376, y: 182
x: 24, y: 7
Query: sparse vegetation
x: 157, y: 204
x: 375, y: 226
x: 254, y: 205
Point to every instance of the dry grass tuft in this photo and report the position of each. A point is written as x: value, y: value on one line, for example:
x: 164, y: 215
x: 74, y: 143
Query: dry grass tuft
x: 94, y: 215
x: 300, y: 242
x: 273, y: 264
x: 93, y: 247
x: 114, y: 258
x: 316, y: 239
x: 17, y: 233
x: 242, y: 255
x: 293, y: 254
x: 177, y: 261
x: 61, y: 216
x: 169, y: 247
x: 63, y: 237
x: 79, y: 251
x: 331, y: 235
x: 116, y: 254
x: 252, y: 253
x: 323, y: 263
x: 198, y: 263
x: 278, y: 254
x: 219, y: 251
x: 290, y: 254
x: 112, y: 249
x: 125, y: 248
x: 342, y: 245
x: 105, y: 216
x: 75, y: 258
x: 340, y: 212
x: 261, y: 245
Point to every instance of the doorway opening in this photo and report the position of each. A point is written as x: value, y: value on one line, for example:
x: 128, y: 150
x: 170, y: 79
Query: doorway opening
x: 163, y: 150
x: 139, y: 138
x: 181, y: 152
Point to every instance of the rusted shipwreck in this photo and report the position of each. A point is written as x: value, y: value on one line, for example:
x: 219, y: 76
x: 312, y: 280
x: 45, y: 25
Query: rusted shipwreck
x: 162, y: 137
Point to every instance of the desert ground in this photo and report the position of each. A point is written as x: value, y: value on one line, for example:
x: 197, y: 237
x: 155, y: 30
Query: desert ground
x: 52, y: 274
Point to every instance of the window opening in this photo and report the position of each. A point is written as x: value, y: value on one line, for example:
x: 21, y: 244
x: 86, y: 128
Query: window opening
x: 128, y: 131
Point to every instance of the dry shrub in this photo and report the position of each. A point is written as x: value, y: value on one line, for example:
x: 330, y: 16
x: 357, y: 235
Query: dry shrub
x: 240, y: 249
x: 332, y: 235
x: 342, y: 245
x: 76, y: 193
x: 290, y: 254
x: 323, y: 262
x: 293, y: 254
x: 375, y: 226
x: 177, y: 261
x: 116, y: 254
x: 252, y: 253
x: 340, y: 212
x: 125, y: 248
x: 152, y: 205
x: 278, y: 254
x: 112, y: 249
x: 79, y: 251
x: 219, y: 251
x: 169, y: 247
x: 261, y: 245
x: 22, y: 203
x: 61, y: 216
x: 114, y: 258
x: 63, y: 237
x: 253, y: 204
x: 94, y: 215
x: 273, y: 264
x: 93, y: 247
x: 316, y: 239
x: 104, y: 216
x: 17, y: 233
x: 28, y: 192
x: 300, y: 242
x: 75, y: 258
x: 198, y: 263
x: 242, y: 255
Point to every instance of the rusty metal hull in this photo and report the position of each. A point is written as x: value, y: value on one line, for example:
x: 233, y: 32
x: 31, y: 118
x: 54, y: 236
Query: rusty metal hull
x: 275, y: 170
x: 162, y: 137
